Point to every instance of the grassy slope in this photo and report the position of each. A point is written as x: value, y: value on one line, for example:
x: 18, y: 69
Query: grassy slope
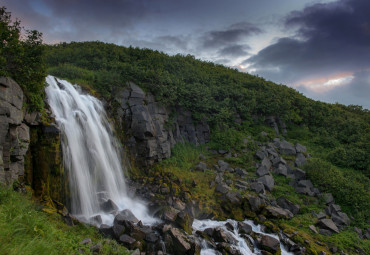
x: 25, y: 229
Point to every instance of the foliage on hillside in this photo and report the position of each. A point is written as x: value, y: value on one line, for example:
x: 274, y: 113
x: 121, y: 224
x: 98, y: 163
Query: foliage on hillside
x: 21, y: 58
x: 215, y: 93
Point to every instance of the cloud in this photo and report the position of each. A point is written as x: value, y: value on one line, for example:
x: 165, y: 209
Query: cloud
x: 330, y: 38
x: 236, y: 50
x: 233, y: 34
x: 356, y: 91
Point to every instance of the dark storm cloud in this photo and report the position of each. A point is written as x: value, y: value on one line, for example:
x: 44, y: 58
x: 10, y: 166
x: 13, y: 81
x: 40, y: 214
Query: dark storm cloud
x: 232, y: 35
x: 331, y: 37
x: 234, y: 51
x: 79, y: 19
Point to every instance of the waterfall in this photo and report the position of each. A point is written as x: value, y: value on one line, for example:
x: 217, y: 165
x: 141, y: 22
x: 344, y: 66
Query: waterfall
x: 90, y: 154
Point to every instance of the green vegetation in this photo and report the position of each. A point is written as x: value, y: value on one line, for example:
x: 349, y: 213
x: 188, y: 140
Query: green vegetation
x: 216, y: 94
x: 26, y: 229
x: 22, y: 58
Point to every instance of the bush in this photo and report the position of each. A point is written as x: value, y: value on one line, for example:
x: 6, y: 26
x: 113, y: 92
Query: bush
x: 347, y: 190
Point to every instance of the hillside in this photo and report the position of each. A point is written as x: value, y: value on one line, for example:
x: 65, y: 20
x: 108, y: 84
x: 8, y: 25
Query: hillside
x: 204, y: 141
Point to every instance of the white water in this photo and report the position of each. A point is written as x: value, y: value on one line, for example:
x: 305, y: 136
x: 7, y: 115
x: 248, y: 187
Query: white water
x: 90, y: 154
x: 242, y: 246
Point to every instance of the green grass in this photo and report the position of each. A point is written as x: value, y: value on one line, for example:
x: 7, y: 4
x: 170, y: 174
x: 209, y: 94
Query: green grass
x: 25, y: 229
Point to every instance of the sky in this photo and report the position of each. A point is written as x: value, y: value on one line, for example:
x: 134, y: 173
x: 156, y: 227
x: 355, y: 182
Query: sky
x: 319, y: 47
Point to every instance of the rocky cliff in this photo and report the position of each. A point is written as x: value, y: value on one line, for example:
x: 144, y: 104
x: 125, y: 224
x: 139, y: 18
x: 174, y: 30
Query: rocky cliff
x: 29, y: 148
x: 151, y: 129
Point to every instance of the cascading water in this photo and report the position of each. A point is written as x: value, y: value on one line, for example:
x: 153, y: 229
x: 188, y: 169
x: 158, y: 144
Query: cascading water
x: 90, y: 154
x: 241, y: 244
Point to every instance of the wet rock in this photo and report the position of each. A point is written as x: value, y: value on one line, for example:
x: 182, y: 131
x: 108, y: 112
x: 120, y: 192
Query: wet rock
x: 109, y: 206
x: 220, y: 235
x: 125, y: 215
x: 151, y: 237
x: 268, y: 182
x: 244, y: 228
x: 106, y: 230
x: 269, y: 243
x: 170, y: 214
x: 96, y: 220
x: 286, y: 204
x: 229, y: 226
x: 185, y: 221
x: 180, y: 242
x: 328, y: 224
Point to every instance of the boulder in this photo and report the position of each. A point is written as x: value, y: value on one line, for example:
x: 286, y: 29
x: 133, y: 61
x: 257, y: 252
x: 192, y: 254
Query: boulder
x: 313, y: 228
x: 170, y: 214
x: 262, y: 170
x: 268, y: 182
x: 300, y: 160
x: 332, y: 209
x: 285, y: 148
x: 125, y: 215
x: 257, y: 187
x: 201, y: 166
x: 106, y: 230
x: 278, y: 160
x: 328, y: 224
x: 222, y: 188
x: 340, y: 219
x: 127, y: 241
x: 261, y: 154
x: 300, y: 148
x: 299, y: 174
x: 180, y: 242
x: 255, y: 203
x: 328, y: 198
x: 267, y: 163
x: 269, y: 243
x: 282, y: 170
x: 241, y: 172
x: 286, y: 204
x: 109, y: 206
x: 244, y: 228
x: 278, y: 212
x: 223, y: 165
x: 95, y: 220
x: 220, y: 235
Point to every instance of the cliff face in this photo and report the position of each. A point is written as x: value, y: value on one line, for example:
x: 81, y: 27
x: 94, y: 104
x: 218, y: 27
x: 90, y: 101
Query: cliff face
x: 29, y: 149
x: 152, y: 129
